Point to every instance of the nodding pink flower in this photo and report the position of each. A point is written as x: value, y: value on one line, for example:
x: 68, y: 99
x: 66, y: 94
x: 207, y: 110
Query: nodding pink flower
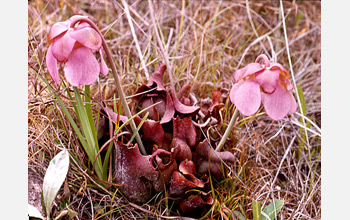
x: 266, y: 82
x: 75, y: 47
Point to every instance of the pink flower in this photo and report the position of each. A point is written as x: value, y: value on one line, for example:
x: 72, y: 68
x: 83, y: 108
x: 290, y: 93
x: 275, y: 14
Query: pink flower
x: 75, y: 47
x: 269, y: 83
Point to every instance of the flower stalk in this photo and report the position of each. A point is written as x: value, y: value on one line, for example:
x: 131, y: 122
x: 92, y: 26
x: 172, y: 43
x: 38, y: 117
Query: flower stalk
x: 116, y: 79
x: 228, y: 130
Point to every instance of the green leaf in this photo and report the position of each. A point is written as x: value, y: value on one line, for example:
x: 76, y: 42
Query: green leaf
x: 70, y: 96
x: 273, y: 209
x: 302, y: 132
x: 302, y: 98
x: 89, y: 111
x: 54, y: 177
x: 88, y: 140
x: 138, y: 113
x: 105, y: 163
x: 256, y: 210
x: 66, y: 112
x: 88, y: 131
x: 140, y: 125
x: 239, y: 215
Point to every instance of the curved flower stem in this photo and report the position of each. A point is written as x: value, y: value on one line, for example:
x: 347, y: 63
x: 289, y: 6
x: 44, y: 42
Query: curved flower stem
x: 116, y: 79
x: 228, y: 130
x: 264, y: 58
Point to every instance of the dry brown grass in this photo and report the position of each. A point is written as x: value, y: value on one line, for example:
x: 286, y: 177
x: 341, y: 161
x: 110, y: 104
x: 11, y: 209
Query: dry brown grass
x: 207, y: 42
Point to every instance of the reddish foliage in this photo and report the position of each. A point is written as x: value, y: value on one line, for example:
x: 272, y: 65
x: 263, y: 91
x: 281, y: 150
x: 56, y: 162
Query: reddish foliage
x: 211, y: 160
x: 164, y: 111
x: 134, y: 172
x: 180, y: 158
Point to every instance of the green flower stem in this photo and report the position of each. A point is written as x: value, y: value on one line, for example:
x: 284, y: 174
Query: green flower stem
x: 116, y: 80
x: 228, y: 130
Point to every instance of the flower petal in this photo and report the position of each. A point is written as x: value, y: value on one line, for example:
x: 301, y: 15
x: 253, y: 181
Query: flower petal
x: 51, y: 63
x: 58, y: 28
x: 247, y: 70
x: 293, y: 104
x: 278, y: 104
x: 268, y: 79
x: 246, y: 96
x: 88, y: 37
x: 279, y: 66
x: 62, y: 47
x: 286, y: 83
x: 103, y: 66
x: 82, y: 67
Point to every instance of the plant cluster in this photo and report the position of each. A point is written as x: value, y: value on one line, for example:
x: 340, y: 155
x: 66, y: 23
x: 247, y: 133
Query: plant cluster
x: 177, y: 157
x: 164, y: 151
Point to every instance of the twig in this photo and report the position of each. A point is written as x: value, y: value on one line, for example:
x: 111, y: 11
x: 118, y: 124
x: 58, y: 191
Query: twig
x: 298, y: 38
x: 283, y: 158
x: 166, y: 58
x: 88, y: 176
x: 253, y: 27
x: 258, y: 40
x: 157, y: 215
x: 292, y: 72
x: 311, y: 122
x: 138, y: 15
x: 162, y: 50
x: 127, y: 12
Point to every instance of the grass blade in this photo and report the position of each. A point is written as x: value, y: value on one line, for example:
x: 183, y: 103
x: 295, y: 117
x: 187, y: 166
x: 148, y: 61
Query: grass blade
x: 106, y: 160
x: 256, y: 210
x: 88, y: 133
x: 239, y: 215
x: 143, y: 110
x: 140, y: 125
x: 89, y: 111
x: 66, y: 112
x: 81, y: 138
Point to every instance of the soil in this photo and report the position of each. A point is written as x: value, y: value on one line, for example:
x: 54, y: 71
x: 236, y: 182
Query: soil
x: 35, y: 183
